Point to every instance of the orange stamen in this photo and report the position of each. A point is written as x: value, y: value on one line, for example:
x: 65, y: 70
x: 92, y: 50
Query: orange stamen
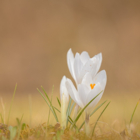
x: 92, y: 86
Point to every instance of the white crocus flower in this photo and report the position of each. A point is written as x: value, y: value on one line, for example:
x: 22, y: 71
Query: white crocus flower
x: 82, y: 63
x: 87, y: 90
x: 64, y: 96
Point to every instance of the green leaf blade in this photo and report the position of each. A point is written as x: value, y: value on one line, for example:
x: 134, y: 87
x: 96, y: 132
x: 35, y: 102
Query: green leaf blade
x: 68, y: 111
x: 11, y: 103
x: 99, y: 117
x: 134, y: 112
x: 84, y: 109
x: 50, y: 102
x: 58, y: 102
x: 92, y: 113
x: 47, y: 103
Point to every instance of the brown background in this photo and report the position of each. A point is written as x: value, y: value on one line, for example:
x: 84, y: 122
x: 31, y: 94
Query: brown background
x: 36, y: 35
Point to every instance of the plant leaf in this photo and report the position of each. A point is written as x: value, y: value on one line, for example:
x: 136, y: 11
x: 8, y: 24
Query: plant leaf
x: 134, y: 111
x: 84, y: 109
x: 13, y: 132
x: 99, y: 117
x: 11, y: 103
x: 56, y: 109
x: 68, y: 111
x: 92, y: 113
x: 50, y: 102
x: 47, y: 103
x: 71, y: 108
x: 71, y: 121
x: 97, y: 108
x: 58, y: 102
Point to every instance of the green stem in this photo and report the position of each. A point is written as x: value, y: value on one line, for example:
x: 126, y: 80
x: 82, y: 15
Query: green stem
x: 87, y: 127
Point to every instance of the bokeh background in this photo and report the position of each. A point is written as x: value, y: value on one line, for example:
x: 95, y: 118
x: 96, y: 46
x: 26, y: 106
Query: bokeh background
x: 36, y: 35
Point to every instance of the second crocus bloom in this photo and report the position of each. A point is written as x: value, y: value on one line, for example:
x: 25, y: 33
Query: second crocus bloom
x: 88, y: 89
x: 64, y: 96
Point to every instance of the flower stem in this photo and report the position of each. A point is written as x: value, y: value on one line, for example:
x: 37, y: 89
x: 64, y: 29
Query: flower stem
x: 63, y: 111
x: 87, y: 127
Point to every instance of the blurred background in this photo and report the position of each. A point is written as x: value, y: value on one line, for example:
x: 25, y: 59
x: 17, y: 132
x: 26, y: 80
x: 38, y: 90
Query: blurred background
x: 36, y: 35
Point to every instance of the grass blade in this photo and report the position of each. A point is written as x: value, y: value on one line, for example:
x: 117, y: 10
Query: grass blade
x: 134, y: 111
x: 50, y: 105
x: 81, y: 125
x: 11, y: 104
x: 92, y: 113
x: 44, y: 99
x: 3, y: 108
x: 1, y: 118
x: 97, y: 108
x: 47, y: 103
x: 79, y: 110
x: 68, y: 111
x: 57, y: 109
x: 46, y: 93
x: 58, y: 102
x: 84, y: 109
x: 50, y: 102
x: 30, y: 109
x: 68, y: 108
x: 71, y: 121
x: 71, y: 108
x: 99, y: 117
x: 19, y: 127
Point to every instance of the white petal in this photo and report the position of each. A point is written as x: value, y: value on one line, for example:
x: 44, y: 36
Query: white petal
x: 84, y: 57
x: 97, y: 60
x: 90, y: 66
x: 63, y: 89
x: 70, y: 62
x: 83, y: 92
x: 73, y: 92
x: 87, y: 79
x: 101, y: 78
x: 97, y: 89
x: 77, y: 67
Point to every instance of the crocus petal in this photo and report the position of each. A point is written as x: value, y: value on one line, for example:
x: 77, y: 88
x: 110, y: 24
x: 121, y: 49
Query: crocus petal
x: 70, y: 62
x: 73, y: 92
x: 97, y: 89
x: 87, y: 79
x: 83, y: 93
x: 97, y: 60
x: 77, y: 67
x: 84, y: 57
x: 63, y: 89
x: 90, y: 66
x: 101, y: 78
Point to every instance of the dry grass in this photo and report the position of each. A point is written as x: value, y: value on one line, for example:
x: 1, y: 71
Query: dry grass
x: 45, y: 131
x: 112, y: 125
